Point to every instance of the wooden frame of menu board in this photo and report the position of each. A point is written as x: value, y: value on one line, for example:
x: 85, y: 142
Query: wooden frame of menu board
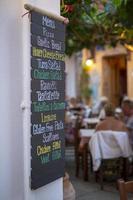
x: 47, y: 99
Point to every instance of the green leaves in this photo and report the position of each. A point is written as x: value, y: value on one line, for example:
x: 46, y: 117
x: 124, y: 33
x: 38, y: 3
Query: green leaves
x: 118, y: 3
x: 98, y: 23
x: 85, y: 90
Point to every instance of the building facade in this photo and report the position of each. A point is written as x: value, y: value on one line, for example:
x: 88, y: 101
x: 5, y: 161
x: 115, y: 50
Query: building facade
x: 111, y: 74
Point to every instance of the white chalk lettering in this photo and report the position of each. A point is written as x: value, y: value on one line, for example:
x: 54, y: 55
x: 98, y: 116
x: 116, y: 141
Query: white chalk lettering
x: 49, y: 64
x: 47, y: 85
x: 43, y: 42
x: 48, y: 137
x: 56, y: 45
x: 47, y: 33
x: 47, y: 95
x: 39, y: 129
x: 48, y: 22
x: 58, y: 125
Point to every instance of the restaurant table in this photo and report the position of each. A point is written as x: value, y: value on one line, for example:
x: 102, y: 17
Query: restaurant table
x: 90, y: 122
x: 110, y: 151
x: 85, y: 135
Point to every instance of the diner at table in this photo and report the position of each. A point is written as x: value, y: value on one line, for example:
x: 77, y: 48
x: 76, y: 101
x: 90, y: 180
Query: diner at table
x: 110, y: 134
x: 74, y: 112
x: 127, y: 108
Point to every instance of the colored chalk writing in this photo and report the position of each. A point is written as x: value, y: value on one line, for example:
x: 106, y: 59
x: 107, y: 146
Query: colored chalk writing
x: 49, y: 64
x: 47, y: 99
x: 44, y: 53
x: 56, y: 154
x: 45, y: 159
x: 47, y: 118
x: 43, y: 106
x: 47, y: 75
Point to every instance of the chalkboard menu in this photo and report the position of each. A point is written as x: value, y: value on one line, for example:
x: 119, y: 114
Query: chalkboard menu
x: 47, y: 99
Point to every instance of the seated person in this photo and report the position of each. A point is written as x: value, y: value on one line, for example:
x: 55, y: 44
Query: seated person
x: 72, y: 103
x: 127, y: 108
x: 110, y: 122
x: 102, y: 114
x: 110, y: 139
x: 119, y: 114
x: 74, y: 107
x: 98, y: 108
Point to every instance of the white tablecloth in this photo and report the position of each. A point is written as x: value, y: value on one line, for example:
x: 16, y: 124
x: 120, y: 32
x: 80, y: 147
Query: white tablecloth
x: 86, y: 132
x: 109, y: 144
x: 90, y: 121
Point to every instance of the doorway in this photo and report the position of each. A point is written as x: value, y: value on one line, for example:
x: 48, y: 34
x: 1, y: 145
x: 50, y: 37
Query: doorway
x: 114, y: 78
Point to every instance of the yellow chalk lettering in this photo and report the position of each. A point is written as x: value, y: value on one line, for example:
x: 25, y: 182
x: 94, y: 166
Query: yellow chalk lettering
x: 47, y: 118
x: 56, y: 145
x: 43, y: 150
x: 37, y: 52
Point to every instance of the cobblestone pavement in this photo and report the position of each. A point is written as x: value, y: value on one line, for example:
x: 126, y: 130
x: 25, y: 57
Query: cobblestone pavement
x: 89, y: 190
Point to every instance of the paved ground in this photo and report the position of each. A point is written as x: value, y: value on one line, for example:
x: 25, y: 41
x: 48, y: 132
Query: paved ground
x: 89, y: 190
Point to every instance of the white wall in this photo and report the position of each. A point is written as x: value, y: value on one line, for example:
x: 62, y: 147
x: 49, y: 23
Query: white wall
x: 49, y: 5
x: 71, y: 76
x: 11, y: 142
x: 14, y: 93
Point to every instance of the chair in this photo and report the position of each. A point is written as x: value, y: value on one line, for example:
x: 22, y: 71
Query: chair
x: 116, y: 167
x: 81, y: 157
x: 125, y: 188
x: 110, y: 149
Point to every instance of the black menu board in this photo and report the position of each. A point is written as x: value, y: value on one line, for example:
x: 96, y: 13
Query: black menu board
x: 47, y: 99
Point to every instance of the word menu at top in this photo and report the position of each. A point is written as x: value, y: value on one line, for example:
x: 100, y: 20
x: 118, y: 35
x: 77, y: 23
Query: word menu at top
x: 47, y: 99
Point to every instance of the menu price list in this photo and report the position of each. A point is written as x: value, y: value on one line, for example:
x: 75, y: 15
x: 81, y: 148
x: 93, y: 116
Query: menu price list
x: 47, y: 99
